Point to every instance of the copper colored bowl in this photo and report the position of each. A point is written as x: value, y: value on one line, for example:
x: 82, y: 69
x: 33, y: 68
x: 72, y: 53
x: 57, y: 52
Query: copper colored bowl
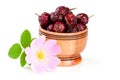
x: 72, y: 44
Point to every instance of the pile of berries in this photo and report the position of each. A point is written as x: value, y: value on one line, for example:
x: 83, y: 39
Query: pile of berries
x: 63, y: 20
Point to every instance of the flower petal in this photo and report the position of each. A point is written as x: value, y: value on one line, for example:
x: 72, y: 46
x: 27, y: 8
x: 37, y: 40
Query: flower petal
x: 52, y: 63
x: 51, y: 47
x: 50, y: 42
x: 38, y: 68
x: 28, y: 59
x: 28, y: 55
x: 54, y: 50
x: 28, y: 51
x: 37, y: 43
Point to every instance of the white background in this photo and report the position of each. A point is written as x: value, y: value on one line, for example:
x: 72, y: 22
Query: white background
x: 101, y: 57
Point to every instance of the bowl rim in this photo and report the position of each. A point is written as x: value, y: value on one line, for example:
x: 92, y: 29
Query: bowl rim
x: 62, y: 34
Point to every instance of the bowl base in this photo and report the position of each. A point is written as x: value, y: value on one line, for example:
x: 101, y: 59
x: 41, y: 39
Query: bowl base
x: 70, y: 62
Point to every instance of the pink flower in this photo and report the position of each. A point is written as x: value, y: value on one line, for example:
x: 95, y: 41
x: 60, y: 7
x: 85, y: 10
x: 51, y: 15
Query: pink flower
x: 42, y: 54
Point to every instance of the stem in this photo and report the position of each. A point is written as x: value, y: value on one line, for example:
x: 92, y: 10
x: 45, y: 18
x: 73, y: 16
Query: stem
x: 37, y: 14
x: 91, y: 16
x: 73, y: 8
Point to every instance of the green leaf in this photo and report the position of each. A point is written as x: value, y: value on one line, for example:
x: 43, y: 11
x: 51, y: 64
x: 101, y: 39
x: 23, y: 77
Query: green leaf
x: 22, y: 59
x: 25, y: 39
x: 14, y: 51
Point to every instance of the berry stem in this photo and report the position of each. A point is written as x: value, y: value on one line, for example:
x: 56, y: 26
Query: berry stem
x: 37, y: 14
x: 73, y: 8
x: 91, y: 16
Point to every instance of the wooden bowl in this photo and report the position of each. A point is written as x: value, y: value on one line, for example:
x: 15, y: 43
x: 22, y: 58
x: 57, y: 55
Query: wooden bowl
x: 71, y: 44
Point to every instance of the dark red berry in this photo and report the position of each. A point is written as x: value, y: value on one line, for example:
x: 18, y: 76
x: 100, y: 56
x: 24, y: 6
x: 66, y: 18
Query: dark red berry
x: 63, y: 20
x: 50, y: 27
x: 55, y: 16
x: 79, y: 27
x: 44, y: 19
x: 70, y: 29
x: 82, y: 18
x: 63, y: 10
x: 59, y: 27
x: 70, y: 19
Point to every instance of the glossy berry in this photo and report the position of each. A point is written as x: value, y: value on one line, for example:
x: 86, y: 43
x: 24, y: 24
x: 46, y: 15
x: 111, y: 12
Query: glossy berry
x: 79, y: 27
x: 82, y: 18
x: 44, y: 19
x: 59, y: 27
x: 55, y: 16
x: 70, y: 19
x: 50, y: 27
x: 63, y: 10
x: 69, y: 29
x: 63, y: 20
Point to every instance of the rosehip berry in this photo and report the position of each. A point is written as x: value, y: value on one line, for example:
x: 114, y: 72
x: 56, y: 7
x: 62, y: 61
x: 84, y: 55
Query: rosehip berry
x: 63, y: 10
x: 79, y: 27
x: 44, y: 19
x: 70, y: 19
x: 59, y: 27
x: 82, y: 18
x: 55, y: 16
x: 70, y: 29
x: 50, y: 27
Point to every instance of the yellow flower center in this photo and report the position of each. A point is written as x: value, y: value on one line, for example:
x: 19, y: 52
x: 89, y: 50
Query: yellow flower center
x: 40, y: 55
